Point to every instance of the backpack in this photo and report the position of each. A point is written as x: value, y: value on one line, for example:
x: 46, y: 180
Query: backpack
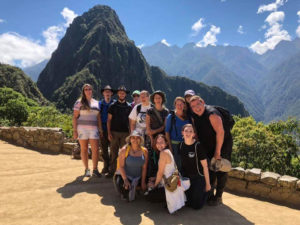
x: 228, y: 121
x: 173, y: 121
x: 101, y: 104
x: 139, y: 108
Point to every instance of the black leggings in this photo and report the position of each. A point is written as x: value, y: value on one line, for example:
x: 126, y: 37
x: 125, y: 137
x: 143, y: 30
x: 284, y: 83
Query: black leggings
x: 196, y: 195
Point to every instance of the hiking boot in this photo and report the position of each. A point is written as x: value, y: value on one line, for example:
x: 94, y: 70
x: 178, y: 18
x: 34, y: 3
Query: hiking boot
x: 104, y: 171
x: 215, y: 201
x: 87, y: 173
x: 109, y: 175
x: 96, y: 173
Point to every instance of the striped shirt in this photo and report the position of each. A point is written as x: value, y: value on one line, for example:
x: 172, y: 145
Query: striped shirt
x: 87, y: 118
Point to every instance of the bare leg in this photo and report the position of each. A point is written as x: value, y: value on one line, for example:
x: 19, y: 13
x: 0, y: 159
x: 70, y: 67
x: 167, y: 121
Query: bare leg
x: 95, y: 153
x: 84, y: 153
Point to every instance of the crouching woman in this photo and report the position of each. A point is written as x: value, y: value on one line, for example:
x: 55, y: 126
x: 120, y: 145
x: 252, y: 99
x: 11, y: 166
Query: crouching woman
x: 194, y: 166
x: 131, y: 167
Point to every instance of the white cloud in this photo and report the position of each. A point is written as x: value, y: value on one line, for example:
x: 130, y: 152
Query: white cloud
x: 275, y: 17
x: 22, y: 51
x: 164, y: 41
x: 2, y: 21
x: 141, y: 46
x: 68, y: 15
x: 226, y: 44
x: 240, y: 29
x: 298, y: 28
x: 273, y: 35
x: 223, y: 0
x: 210, y: 37
x: 271, y: 7
x: 198, y: 26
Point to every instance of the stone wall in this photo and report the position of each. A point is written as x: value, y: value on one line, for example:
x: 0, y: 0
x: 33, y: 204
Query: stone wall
x: 42, y: 139
x: 266, y: 185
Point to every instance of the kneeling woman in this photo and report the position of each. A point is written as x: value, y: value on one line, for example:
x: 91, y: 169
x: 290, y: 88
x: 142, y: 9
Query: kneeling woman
x: 132, y: 166
x: 166, y: 167
x: 194, y: 166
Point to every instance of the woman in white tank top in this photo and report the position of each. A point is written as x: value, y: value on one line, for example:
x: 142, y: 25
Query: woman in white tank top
x: 166, y: 166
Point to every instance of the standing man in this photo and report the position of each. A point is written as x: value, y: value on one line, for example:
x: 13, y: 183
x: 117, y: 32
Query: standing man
x: 216, y: 138
x: 104, y: 104
x: 137, y: 116
x: 117, y: 127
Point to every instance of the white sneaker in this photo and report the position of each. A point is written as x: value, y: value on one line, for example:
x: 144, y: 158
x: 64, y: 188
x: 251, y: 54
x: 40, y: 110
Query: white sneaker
x: 87, y: 173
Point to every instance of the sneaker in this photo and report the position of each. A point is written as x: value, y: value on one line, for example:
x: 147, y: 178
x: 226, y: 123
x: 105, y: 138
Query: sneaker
x: 87, y: 173
x: 96, y: 173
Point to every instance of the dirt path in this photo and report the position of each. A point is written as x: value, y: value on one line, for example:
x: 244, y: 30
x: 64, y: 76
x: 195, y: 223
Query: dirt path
x: 46, y: 189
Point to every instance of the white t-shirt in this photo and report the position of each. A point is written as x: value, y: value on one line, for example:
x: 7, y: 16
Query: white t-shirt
x: 140, y: 118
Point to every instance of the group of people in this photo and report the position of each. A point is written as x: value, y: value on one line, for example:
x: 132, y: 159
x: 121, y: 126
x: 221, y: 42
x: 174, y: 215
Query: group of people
x: 143, y: 143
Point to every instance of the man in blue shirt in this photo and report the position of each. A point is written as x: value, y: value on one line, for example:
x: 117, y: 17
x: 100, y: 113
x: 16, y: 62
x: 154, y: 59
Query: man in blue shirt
x: 104, y: 104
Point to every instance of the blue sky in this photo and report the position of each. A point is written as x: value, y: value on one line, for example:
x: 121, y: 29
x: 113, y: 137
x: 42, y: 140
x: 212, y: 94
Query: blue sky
x: 31, y: 29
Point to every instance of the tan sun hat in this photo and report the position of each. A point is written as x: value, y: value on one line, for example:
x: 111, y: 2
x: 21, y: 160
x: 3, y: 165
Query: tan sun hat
x: 135, y: 133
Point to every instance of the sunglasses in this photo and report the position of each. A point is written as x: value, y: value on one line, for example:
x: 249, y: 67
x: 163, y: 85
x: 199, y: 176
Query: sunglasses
x: 88, y: 89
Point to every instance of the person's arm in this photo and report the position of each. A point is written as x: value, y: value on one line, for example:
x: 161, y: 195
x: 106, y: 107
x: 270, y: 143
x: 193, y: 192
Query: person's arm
x: 74, y: 121
x: 206, y: 174
x: 144, y: 172
x: 132, y: 124
x: 217, y: 125
x: 161, y: 168
x: 122, y: 167
x: 109, y: 117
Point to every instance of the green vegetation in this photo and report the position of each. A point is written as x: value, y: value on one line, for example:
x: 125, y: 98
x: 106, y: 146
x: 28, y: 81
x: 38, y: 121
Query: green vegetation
x: 272, y: 147
x: 16, y: 110
x: 16, y: 79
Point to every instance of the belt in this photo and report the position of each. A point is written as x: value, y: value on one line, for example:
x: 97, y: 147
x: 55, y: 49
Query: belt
x: 175, y: 142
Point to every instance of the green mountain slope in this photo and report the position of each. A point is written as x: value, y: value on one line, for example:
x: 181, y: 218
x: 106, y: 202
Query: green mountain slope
x: 204, y: 64
x: 280, y: 90
x: 16, y: 79
x: 96, y: 49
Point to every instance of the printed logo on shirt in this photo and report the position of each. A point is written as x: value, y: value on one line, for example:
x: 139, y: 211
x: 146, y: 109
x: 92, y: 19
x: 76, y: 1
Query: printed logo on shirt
x: 191, y: 154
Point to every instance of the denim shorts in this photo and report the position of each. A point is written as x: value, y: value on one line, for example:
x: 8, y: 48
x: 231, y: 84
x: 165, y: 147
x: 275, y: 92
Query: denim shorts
x: 84, y: 134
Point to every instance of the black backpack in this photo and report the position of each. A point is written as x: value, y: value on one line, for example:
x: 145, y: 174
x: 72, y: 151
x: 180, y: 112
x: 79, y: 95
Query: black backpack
x: 228, y: 121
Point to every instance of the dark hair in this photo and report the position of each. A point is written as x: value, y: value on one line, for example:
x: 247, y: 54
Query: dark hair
x: 84, y: 102
x: 160, y: 136
x: 188, y: 125
x: 179, y: 98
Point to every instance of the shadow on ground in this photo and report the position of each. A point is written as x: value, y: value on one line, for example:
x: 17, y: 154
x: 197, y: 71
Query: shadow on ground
x: 133, y: 212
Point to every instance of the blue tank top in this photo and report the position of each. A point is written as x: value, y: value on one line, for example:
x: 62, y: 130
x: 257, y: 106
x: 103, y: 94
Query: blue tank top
x: 133, y: 165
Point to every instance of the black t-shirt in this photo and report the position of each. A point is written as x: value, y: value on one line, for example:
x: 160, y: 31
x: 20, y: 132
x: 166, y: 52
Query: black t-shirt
x: 188, y: 158
x: 206, y: 133
x: 155, y: 122
x: 120, y: 112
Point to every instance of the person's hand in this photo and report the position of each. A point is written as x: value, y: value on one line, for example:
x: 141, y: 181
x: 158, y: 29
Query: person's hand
x: 126, y: 184
x: 75, y: 134
x: 101, y: 134
x: 207, y: 187
x: 109, y: 136
x: 217, y: 156
x: 144, y: 186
